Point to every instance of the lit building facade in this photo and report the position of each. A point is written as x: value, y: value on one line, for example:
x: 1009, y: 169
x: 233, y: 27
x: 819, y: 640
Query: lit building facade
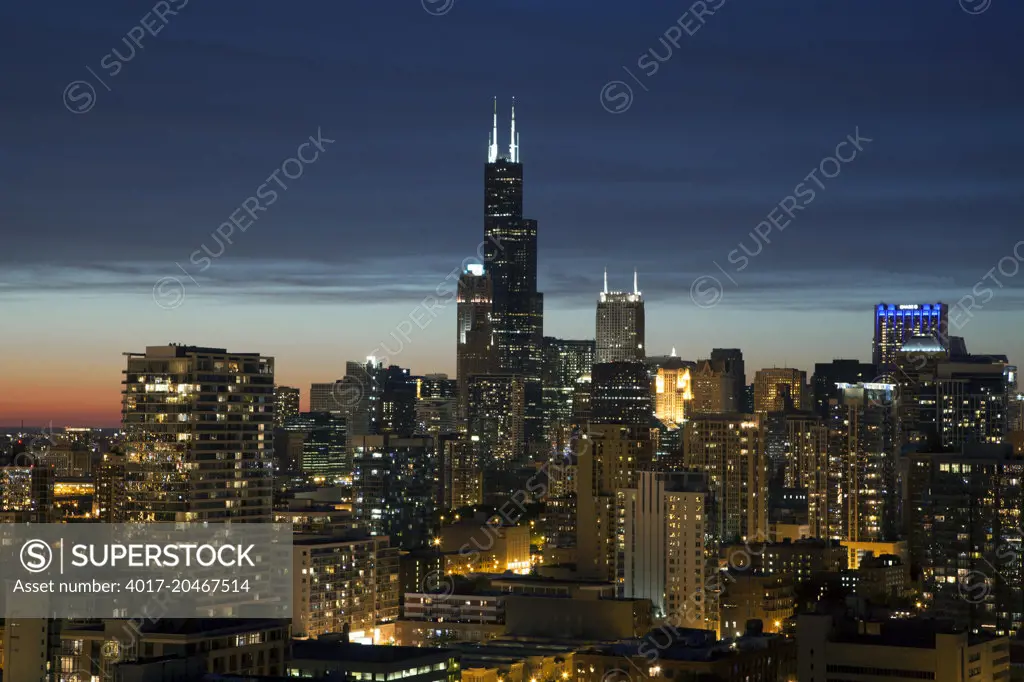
x: 565, y: 361
x: 776, y: 387
x: 620, y: 393
x: 199, y: 425
x: 474, y: 352
x: 896, y: 324
x: 462, y: 480
x: 673, y: 393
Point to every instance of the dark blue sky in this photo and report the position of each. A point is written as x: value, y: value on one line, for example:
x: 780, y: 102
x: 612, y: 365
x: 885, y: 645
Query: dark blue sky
x: 99, y: 206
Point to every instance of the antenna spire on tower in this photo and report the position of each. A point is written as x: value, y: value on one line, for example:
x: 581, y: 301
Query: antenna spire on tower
x: 606, y: 280
x: 513, y: 140
x: 636, y: 289
x: 492, y: 151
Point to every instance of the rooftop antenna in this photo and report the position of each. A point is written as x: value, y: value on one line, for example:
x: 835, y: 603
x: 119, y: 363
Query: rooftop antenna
x: 492, y: 152
x: 513, y: 140
x: 606, y: 280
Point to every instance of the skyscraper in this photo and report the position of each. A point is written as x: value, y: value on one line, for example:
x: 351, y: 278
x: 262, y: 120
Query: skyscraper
x: 286, y: 404
x: 473, y: 343
x: 667, y: 552
x: 712, y: 390
x: 729, y: 363
x: 510, y: 261
x: 895, y: 324
x: 673, y: 392
x: 620, y: 325
x: 729, y: 448
x: 496, y: 419
x: 828, y: 374
x: 199, y: 427
x: 776, y: 387
x: 620, y: 393
x: 565, y: 361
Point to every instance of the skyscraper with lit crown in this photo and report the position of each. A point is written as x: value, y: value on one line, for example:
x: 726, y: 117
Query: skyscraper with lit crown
x: 510, y: 261
x: 620, y: 325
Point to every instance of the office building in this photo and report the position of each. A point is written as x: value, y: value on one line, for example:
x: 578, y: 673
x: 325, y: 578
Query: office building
x: 729, y: 449
x: 896, y: 324
x: 286, y: 404
x: 325, y: 397
x: 474, y: 351
x: 609, y: 457
x: 620, y: 325
x: 510, y: 260
x: 344, y: 583
x: 778, y: 389
x: 565, y: 362
x: 894, y: 650
x: 712, y: 390
x: 620, y: 393
x: 828, y: 374
x: 667, y: 550
x: 753, y: 595
x: 359, y: 396
x: 964, y: 520
x: 199, y: 426
x: 673, y: 392
x: 323, y: 454
x: 496, y: 419
x: 729, y: 362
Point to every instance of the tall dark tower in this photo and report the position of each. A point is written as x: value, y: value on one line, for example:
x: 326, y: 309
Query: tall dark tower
x: 510, y: 259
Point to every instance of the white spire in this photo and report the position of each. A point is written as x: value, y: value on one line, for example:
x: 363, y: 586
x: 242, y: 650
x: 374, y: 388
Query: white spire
x: 673, y: 351
x: 492, y: 151
x: 606, y: 280
x: 636, y: 289
x: 513, y: 140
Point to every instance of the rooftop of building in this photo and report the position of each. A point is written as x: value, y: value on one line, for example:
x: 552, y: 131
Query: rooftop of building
x: 688, y: 644
x: 915, y: 633
x: 191, y: 626
x: 326, y: 650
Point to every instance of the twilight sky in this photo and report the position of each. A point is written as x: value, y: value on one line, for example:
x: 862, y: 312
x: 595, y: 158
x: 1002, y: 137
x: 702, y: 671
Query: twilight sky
x: 97, y: 207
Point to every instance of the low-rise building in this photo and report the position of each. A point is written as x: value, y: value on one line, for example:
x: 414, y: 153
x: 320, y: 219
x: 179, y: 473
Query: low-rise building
x: 322, y: 659
x: 440, y: 619
x: 897, y: 650
x: 752, y: 595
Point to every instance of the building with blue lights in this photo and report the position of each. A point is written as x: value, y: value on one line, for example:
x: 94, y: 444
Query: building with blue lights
x: 894, y: 324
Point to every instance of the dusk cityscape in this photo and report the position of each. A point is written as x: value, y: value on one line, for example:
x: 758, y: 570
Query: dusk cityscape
x: 719, y: 386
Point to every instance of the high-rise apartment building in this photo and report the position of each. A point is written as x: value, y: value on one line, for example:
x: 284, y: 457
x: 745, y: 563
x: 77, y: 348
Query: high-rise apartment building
x: 510, y: 261
x: 777, y: 387
x: 26, y: 494
x: 896, y: 324
x: 496, y: 419
x: 667, y: 552
x: 620, y: 325
x: 862, y: 463
x: 964, y: 522
x: 461, y: 477
x: 805, y: 465
x: 344, y: 584
x: 199, y: 427
x: 945, y: 403
x: 394, y: 491
x: 286, y: 404
x: 608, y: 459
x: 729, y: 449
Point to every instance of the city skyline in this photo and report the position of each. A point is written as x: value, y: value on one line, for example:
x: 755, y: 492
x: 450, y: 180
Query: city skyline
x: 686, y: 173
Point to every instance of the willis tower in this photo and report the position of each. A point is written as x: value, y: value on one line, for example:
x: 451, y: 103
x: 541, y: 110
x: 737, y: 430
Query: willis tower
x: 510, y: 258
